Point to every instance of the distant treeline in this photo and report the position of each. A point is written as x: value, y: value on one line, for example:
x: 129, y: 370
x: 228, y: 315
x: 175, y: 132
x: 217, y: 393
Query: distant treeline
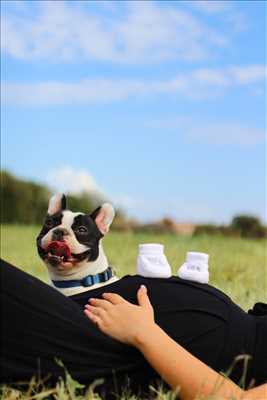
x: 26, y: 202
x: 245, y: 226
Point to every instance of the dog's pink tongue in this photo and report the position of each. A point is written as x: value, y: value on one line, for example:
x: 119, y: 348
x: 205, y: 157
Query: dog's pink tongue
x: 59, y: 249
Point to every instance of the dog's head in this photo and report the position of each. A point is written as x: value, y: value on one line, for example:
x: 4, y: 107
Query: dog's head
x: 68, y: 240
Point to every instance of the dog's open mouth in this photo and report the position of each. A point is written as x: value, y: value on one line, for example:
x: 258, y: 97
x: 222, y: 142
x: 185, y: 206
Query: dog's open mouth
x: 58, y: 254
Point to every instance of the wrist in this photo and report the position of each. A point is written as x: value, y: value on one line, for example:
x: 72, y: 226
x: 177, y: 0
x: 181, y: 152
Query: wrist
x: 143, y: 336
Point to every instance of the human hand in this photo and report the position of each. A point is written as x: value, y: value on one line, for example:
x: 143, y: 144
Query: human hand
x: 120, y: 319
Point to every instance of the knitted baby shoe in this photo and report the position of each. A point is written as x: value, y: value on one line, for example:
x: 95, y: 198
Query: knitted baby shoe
x: 195, y: 268
x: 152, y: 262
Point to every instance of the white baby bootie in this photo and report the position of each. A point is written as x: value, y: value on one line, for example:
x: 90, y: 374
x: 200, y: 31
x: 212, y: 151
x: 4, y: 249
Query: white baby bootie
x: 152, y: 262
x: 196, y: 267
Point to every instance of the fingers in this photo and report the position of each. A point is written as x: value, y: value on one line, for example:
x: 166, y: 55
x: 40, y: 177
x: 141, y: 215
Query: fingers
x: 142, y: 297
x: 98, y: 311
x: 114, y: 298
x: 94, y: 318
x: 100, y: 303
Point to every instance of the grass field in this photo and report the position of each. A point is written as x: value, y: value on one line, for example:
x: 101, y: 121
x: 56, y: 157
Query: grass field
x: 237, y: 266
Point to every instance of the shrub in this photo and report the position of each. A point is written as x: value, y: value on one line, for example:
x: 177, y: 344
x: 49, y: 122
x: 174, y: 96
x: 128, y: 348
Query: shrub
x: 248, y: 226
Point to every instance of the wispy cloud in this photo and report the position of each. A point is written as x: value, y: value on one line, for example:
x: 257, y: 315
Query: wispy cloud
x: 249, y: 74
x: 227, y: 133
x: 209, y: 6
x: 197, y: 84
x: 70, y: 180
x: 67, y: 179
x: 140, y: 32
x: 220, y: 132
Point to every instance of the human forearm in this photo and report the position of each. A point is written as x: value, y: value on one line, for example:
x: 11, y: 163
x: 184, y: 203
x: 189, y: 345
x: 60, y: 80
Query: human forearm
x: 182, y: 370
x: 135, y: 325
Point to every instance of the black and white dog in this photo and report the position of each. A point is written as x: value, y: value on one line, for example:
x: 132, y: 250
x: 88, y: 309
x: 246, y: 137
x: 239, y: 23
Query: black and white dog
x: 70, y: 245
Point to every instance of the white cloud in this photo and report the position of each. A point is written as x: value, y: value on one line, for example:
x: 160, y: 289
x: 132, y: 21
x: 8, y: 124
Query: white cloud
x: 213, y: 77
x: 249, y: 74
x: 210, y: 6
x: 218, y: 133
x: 85, y: 91
x: 227, y: 133
x: 66, y: 179
x: 197, y: 84
x: 142, y: 32
x: 123, y: 200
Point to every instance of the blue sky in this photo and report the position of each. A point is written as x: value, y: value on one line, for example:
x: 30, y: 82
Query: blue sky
x: 158, y: 105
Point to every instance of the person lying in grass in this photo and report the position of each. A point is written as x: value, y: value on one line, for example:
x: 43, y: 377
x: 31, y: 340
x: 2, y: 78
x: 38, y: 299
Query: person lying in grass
x: 39, y: 326
x: 135, y: 325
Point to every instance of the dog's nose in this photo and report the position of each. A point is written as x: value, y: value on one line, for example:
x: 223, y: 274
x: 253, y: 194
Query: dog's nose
x: 59, y: 233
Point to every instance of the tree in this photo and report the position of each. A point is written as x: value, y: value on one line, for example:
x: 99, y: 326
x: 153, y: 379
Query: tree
x: 248, y: 226
x: 26, y: 202
x: 22, y: 201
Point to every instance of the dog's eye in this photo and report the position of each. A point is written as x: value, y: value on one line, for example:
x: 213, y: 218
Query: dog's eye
x: 82, y: 229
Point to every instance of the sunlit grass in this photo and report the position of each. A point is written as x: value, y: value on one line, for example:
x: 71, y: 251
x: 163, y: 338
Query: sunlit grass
x: 237, y: 266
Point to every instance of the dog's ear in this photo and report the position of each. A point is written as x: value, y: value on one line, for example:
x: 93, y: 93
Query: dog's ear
x: 57, y: 203
x: 103, y: 217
